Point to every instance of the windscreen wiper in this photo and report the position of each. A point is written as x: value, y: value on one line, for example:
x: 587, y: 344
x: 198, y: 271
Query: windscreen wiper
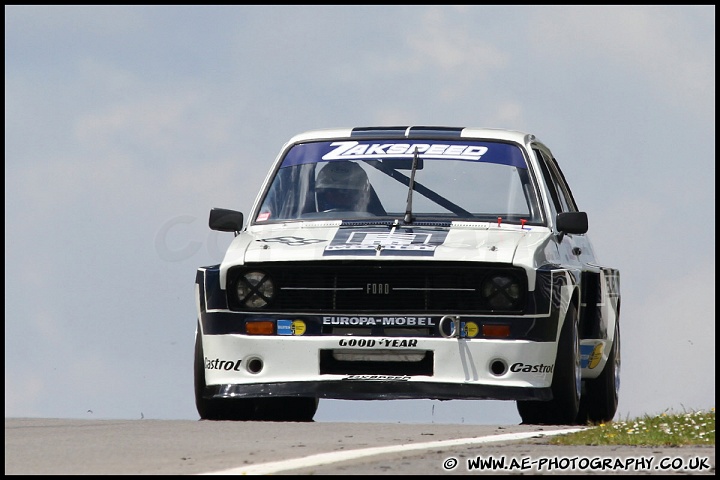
x: 408, y: 210
x: 420, y: 188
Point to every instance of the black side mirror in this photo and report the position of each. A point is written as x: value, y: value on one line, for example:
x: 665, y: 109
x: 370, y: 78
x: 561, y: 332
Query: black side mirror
x: 225, y: 220
x: 572, y: 222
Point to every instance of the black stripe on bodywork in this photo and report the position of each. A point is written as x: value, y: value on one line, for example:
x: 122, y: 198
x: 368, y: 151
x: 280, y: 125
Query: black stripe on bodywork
x: 211, y: 297
x: 593, y: 323
x: 406, y: 132
x: 538, y: 329
x: 378, y: 132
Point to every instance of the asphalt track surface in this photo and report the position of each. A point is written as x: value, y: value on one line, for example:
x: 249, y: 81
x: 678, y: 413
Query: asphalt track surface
x: 185, y: 447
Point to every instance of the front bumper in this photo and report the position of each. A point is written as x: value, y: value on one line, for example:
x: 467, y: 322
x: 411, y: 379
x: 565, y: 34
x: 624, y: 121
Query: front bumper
x: 238, y: 366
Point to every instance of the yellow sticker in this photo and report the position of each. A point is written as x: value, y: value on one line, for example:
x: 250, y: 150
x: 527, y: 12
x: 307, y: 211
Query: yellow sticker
x: 595, y: 356
x: 298, y: 327
x: 471, y: 329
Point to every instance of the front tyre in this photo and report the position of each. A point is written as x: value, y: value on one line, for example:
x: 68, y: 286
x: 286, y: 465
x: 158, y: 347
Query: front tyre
x: 600, y: 398
x: 566, y: 384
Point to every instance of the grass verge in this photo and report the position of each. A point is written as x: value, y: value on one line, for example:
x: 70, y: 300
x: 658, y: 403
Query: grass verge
x: 667, y: 429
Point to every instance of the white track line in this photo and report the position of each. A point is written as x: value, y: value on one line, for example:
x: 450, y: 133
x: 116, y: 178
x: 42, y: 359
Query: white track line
x: 340, y: 456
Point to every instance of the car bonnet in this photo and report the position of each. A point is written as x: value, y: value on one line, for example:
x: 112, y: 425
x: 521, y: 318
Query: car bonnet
x: 318, y: 241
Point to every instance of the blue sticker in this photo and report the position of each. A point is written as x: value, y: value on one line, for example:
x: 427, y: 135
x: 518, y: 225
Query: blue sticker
x: 284, y: 327
x: 585, y: 352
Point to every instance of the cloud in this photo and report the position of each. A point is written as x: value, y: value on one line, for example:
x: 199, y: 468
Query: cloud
x: 658, y: 44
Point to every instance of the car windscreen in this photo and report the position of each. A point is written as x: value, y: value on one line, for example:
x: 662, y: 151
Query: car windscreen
x: 455, y: 180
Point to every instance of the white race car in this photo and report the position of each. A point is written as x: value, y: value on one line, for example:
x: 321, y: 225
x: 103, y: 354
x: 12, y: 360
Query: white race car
x: 386, y: 263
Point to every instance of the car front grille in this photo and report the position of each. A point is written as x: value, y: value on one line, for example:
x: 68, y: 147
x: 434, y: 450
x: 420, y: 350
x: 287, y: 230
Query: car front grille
x: 380, y: 287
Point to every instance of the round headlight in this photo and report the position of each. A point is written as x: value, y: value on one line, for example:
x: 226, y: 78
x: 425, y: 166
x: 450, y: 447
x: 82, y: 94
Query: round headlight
x: 255, y: 289
x: 502, y: 292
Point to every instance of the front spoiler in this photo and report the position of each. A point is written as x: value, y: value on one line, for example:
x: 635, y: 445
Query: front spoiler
x: 377, y: 390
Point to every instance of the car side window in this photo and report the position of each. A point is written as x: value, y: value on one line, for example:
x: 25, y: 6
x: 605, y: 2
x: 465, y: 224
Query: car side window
x: 555, y: 201
x: 563, y: 185
x: 559, y: 191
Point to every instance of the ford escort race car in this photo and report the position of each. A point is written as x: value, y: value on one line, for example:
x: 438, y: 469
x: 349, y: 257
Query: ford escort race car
x: 414, y: 262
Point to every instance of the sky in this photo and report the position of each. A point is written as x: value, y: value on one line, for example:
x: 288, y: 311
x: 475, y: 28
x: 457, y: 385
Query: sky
x: 125, y: 125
